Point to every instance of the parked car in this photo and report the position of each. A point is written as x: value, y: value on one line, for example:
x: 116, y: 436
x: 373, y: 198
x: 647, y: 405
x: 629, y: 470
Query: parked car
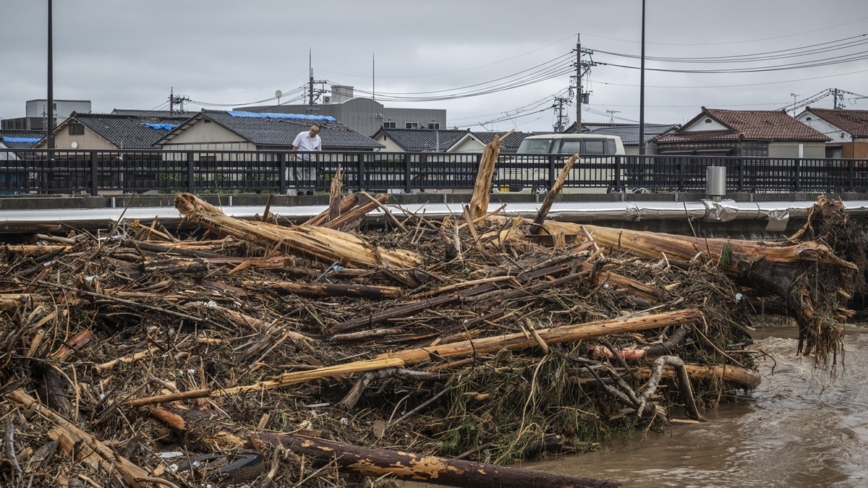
x: 528, y: 170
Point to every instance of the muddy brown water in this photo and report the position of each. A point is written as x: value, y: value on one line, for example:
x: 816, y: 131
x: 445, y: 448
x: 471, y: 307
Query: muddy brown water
x: 800, y: 428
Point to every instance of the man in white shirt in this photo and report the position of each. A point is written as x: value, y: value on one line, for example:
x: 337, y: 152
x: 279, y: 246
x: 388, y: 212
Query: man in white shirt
x: 305, y: 173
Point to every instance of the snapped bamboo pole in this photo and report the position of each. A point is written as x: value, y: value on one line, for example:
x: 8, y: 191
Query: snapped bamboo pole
x: 555, y: 335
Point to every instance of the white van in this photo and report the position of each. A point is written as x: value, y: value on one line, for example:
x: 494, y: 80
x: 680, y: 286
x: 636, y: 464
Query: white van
x: 528, y: 170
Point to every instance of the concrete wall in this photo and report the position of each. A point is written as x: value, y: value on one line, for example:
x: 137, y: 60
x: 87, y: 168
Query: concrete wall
x: 36, y: 108
x: 791, y: 149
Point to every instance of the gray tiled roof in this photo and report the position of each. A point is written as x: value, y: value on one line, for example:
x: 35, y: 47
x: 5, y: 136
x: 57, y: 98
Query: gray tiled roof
x: 508, y: 145
x: 152, y: 113
x: 20, y: 134
x: 126, y: 132
x: 282, y: 132
x: 629, y: 133
x: 422, y: 140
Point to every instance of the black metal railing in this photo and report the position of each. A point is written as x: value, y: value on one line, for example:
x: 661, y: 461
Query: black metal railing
x: 127, y: 171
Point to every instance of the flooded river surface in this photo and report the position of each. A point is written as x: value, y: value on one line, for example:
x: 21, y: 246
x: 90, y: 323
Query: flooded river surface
x: 800, y: 428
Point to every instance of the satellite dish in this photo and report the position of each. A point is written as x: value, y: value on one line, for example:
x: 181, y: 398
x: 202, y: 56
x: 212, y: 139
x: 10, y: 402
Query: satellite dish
x: 74, y: 145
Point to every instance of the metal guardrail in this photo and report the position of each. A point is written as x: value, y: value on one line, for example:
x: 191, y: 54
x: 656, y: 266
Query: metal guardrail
x: 127, y: 171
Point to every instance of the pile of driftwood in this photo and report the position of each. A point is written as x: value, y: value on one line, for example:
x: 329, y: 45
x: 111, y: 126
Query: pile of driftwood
x: 247, y: 352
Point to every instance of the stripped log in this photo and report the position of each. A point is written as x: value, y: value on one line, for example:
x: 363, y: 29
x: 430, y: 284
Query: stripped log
x: 33, y: 250
x: 725, y: 372
x: 296, y: 377
x: 367, y: 461
x: 327, y: 289
x: 568, y: 333
x: 321, y: 243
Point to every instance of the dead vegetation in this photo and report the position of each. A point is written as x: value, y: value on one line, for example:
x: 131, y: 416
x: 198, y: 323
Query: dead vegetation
x: 319, y: 355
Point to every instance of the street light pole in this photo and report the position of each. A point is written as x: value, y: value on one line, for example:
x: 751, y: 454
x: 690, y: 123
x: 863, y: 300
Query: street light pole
x: 642, y: 89
x: 49, y: 109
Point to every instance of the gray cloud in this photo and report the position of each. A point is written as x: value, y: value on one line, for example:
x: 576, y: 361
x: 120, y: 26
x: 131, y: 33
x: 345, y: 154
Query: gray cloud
x: 125, y: 54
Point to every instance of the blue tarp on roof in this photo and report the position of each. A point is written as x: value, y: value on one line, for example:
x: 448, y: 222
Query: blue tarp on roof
x: 160, y: 126
x: 31, y: 140
x: 259, y: 115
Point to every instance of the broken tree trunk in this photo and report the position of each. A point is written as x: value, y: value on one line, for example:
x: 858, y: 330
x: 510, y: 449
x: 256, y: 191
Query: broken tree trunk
x: 335, y: 196
x: 321, y: 243
x: 484, y: 176
x: 356, y: 213
x: 346, y: 204
x: 788, y: 271
x: 552, y: 194
x: 367, y: 461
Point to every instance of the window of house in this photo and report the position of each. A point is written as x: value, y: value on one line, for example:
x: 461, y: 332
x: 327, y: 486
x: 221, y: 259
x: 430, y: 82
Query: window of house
x: 434, y: 125
x: 707, y: 121
x: 76, y: 129
x: 390, y: 125
x: 411, y: 125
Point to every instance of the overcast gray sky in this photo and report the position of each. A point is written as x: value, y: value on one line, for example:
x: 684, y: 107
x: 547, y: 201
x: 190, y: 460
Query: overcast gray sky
x: 125, y: 54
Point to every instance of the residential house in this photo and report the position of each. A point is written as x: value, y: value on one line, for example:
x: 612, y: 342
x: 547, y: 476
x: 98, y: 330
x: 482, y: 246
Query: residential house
x: 763, y: 133
x: 475, y: 142
x: 211, y: 130
x: 629, y: 134
x: 20, y: 139
x: 110, y: 132
x: 847, y: 130
x: 418, y: 140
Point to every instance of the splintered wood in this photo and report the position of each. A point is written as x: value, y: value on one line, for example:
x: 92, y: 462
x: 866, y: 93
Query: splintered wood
x: 166, y: 357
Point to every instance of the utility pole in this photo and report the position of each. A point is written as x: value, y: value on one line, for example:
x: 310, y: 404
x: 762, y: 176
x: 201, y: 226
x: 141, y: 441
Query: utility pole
x: 579, y: 83
x: 173, y: 100
x: 794, y: 95
x: 612, y: 115
x: 560, y: 123
x: 310, y: 82
x: 49, y: 128
x: 835, y: 100
x: 373, y: 77
x: 642, y: 89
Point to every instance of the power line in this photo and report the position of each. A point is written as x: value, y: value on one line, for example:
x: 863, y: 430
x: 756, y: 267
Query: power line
x: 730, y: 42
x: 738, y: 85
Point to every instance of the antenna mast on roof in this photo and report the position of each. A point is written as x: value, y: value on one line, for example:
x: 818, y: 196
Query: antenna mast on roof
x: 310, y: 72
x: 373, y: 77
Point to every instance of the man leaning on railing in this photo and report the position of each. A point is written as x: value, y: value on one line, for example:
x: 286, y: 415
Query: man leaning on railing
x: 305, y: 176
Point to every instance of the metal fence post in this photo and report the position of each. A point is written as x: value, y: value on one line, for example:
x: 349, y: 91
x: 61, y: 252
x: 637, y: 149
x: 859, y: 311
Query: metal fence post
x: 797, y: 180
x: 618, y: 174
x: 360, y: 163
x: 282, y: 177
x: 406, y: 161
x: 94, y: 176
x: 850, y: 175
x: 551, y: 171
x: 191, y: 185
x: 681, y: 174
